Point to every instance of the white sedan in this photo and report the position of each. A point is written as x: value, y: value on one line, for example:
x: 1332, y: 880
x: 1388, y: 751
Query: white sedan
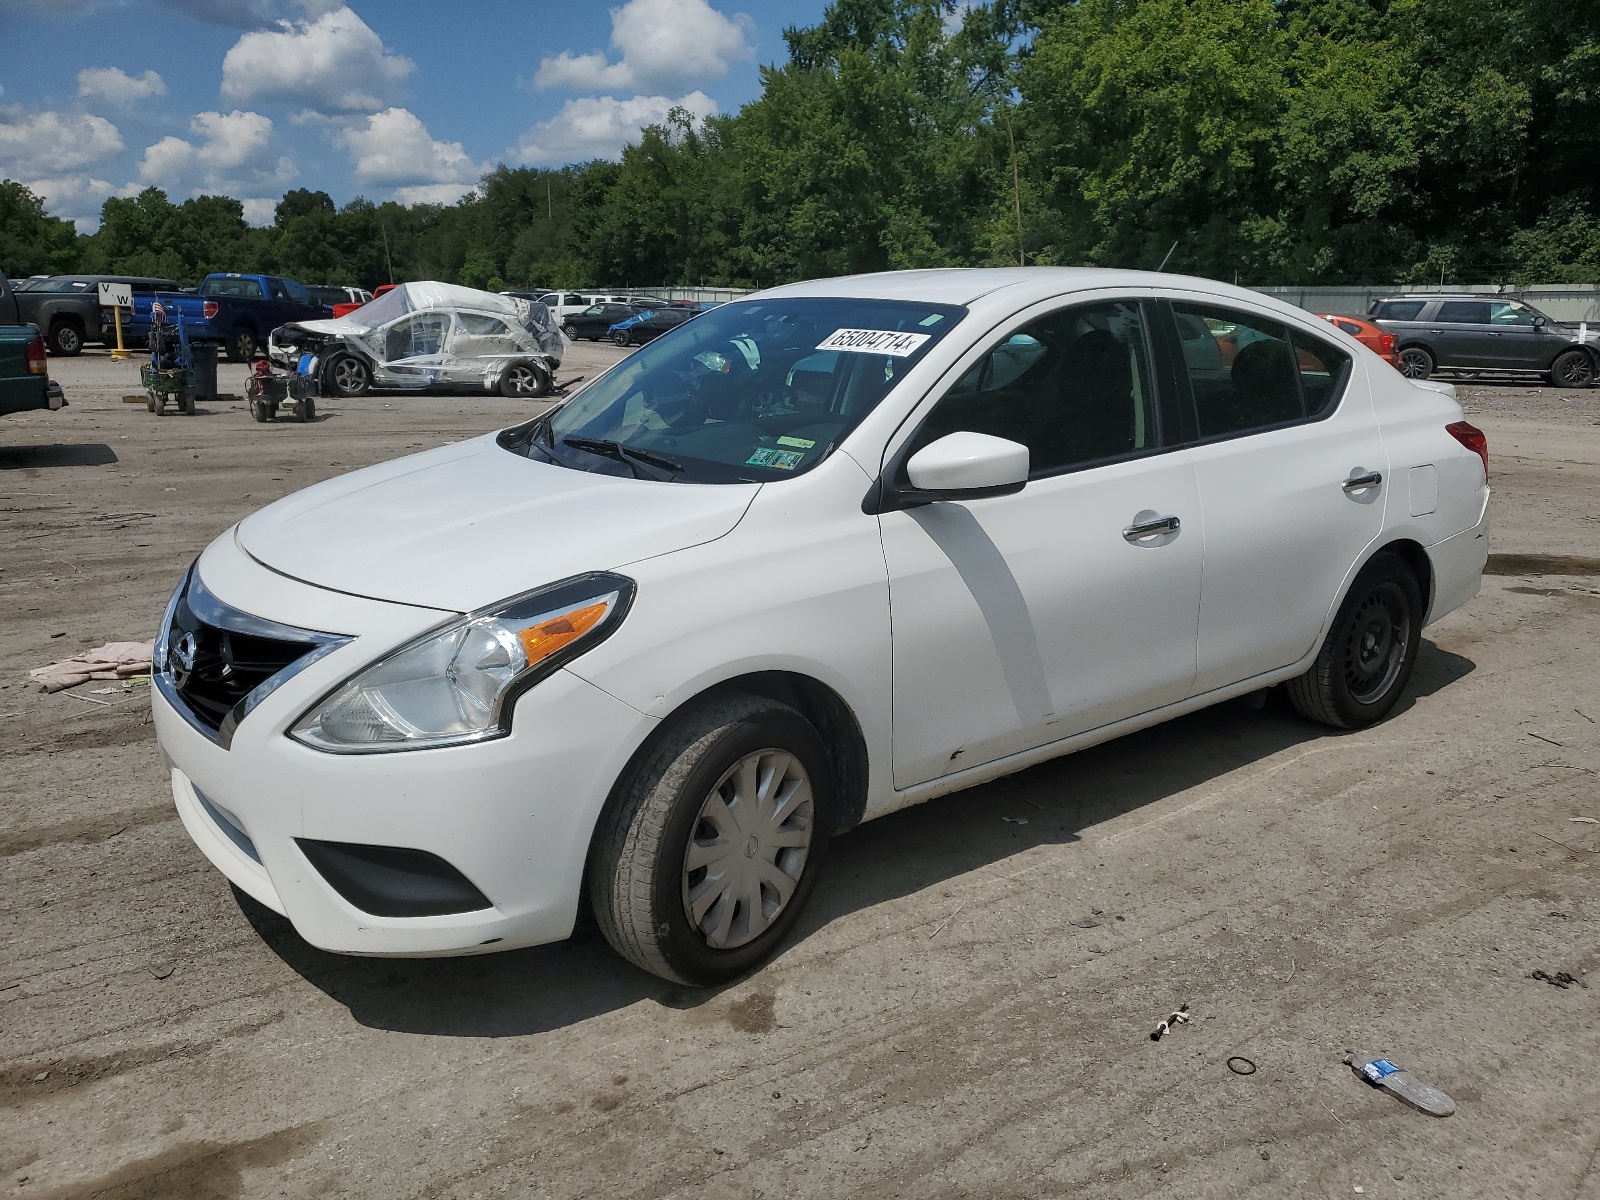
x: 817, y: 555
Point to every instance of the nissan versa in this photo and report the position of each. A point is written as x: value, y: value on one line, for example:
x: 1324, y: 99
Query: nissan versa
x: 812, y: 557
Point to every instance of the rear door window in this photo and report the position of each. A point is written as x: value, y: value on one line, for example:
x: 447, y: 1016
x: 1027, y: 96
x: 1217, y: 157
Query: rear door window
x: 1254, y: 374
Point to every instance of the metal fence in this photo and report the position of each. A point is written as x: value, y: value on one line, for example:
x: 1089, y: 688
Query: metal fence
x: 1558, y: 301
x: 713, y: 294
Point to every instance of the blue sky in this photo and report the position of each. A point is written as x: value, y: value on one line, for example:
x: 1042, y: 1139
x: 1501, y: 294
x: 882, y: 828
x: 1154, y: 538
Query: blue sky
x: 387, y: 98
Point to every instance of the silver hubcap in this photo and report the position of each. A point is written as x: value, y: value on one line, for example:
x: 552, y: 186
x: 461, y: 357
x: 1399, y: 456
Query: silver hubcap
x: 748, y: 848
x: 348, y: 376
x: 522, y: 379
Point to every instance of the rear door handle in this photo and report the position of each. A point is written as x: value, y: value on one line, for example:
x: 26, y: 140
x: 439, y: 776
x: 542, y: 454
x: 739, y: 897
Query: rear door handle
x: 1360, y: 483
x: 1143, y: 529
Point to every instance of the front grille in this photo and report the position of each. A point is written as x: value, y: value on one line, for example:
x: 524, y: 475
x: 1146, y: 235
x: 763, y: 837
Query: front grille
x: 215, y: 663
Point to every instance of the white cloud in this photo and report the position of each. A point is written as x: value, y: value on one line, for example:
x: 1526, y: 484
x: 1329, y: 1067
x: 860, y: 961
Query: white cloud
x: 115, y: 85
x: 77, y: 198
x: 599, y: 126
x: 662, y: 44
x: 259, y: 211
x: 332, y: 62
x: 433, y: 193
x: 232, y: 153
x: 394, y: 147
x: 52, y: 143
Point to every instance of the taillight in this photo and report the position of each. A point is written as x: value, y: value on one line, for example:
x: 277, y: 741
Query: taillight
x: 1473, y: 439
x: 35, y: 357
x: 208, y: 309
x: 1386, y: 344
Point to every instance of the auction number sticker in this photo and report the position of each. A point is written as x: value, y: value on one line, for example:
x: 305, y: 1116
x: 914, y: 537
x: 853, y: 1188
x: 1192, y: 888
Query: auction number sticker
x: 874, y: 341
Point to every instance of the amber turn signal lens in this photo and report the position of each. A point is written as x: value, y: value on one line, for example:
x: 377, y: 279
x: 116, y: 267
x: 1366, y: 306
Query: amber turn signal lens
x: 540, y: 641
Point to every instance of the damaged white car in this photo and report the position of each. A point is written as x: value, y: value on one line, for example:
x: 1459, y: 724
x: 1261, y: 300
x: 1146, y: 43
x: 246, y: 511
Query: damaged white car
x: 426, y: 335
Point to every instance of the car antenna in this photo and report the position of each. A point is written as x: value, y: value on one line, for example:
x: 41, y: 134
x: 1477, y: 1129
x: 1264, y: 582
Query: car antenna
x: 1163, y: 265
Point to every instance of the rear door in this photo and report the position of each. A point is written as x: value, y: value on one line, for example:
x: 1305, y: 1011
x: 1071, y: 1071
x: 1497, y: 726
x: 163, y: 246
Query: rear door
x: 1461, y: 331
x: 1285, y: 458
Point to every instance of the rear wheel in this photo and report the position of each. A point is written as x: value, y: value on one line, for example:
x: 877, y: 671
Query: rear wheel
x: 524, y: 380
x: 1416, y: 363
x: 711, y: 844
x: 346, y: 375
x: 241, y: 344
x: 1367, y: 658
x: 66, y: 339
x: 621, y: 337
x: 1574, y: 369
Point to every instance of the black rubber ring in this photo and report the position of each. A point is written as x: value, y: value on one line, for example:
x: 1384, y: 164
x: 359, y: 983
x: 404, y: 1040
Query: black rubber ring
x: 1241, y: 1066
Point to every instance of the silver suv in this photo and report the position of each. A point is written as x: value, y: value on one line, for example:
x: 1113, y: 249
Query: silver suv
x: 1478, y: 333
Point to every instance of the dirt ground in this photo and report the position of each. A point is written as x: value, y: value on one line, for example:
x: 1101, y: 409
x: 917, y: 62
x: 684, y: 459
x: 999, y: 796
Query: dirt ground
x: 967, y: 1008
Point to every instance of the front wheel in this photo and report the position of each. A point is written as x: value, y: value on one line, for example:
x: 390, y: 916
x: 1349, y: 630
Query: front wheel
x: 524, y: 381
x: 571, y: 331
x: 711, y: 844
x: 1367, y: 658
x: 1574, y: 369
x: 1416, y: 363
x: 241, y: 344
x: 347, y: 375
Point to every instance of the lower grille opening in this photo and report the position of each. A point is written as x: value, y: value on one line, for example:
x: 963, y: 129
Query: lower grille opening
x: 392, y: 881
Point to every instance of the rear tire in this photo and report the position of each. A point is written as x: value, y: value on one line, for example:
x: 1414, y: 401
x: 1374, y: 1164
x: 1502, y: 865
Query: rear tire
x: 1368, y: 656
x: 241, y: 344
x: 723, y: 778
x: 1573, y: 369
x: 621, y: 338
x: 1416, y: 363
x: 66, y: 339
x: 524, y: 381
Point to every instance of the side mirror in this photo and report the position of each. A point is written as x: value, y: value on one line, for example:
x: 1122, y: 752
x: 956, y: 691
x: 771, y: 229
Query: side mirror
x: 1539, y: 322
x: 959, y: 466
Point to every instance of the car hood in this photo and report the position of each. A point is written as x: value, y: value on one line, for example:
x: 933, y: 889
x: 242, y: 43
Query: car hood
x: 471, y: 524
x: 336, y: 327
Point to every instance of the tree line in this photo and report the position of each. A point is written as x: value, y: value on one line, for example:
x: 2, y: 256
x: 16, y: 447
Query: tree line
x: 1268, y: 141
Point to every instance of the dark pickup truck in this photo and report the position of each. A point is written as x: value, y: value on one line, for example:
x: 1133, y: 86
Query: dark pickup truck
x: 24, y: 377
x: 66, y: 308
x: 240, y: 311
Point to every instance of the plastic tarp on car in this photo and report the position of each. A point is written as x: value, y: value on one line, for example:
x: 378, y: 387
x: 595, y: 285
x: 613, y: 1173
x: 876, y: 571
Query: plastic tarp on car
x: 453, y: 331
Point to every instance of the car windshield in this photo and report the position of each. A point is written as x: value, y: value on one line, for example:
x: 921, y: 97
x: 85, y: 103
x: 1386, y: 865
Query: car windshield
x: 747, y: 393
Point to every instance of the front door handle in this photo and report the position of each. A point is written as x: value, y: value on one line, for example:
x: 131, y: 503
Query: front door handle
x: 1143, y: 529
x: 1360, y: 483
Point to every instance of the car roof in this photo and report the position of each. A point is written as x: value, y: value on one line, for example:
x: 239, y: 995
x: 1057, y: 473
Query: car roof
x: 964, y: 285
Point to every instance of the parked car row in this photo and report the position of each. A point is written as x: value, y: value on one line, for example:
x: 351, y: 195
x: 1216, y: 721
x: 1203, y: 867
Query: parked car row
x: 1494, y: 334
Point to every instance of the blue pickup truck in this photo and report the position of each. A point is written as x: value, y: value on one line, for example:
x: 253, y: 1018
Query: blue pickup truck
x: 240, y: 311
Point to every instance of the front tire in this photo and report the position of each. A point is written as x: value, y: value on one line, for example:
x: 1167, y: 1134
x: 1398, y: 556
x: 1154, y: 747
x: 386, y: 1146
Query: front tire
x: 571, y: 331
x: 1368, y: 656
x: 524, y: 381
x: 712, y: 841
x: 1574, y: 369
x: 346, y: 375
x: 1416, y: 363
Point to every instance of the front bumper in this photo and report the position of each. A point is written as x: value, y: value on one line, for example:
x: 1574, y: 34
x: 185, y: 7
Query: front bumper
x: 513, y: 815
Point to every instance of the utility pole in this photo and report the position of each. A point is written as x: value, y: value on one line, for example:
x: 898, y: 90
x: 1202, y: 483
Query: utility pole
x: 389, y: 262
x: 1016, y: 186
x: 550, y: 205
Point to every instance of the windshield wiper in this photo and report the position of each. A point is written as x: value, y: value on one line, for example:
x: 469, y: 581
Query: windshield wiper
x: 624, y: 454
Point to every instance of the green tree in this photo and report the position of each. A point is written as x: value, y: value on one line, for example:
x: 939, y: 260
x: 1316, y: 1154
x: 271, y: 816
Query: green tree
x: 31, y: 241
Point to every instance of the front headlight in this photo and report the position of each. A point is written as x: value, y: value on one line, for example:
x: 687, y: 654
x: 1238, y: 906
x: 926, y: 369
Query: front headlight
x: 457, y: 684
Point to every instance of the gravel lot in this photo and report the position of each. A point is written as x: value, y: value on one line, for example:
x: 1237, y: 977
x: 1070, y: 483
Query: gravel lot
x: 967, y: 1008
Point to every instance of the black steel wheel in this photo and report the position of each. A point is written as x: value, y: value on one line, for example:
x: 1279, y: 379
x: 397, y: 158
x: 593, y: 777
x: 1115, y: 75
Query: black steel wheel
x: 1367, y: 658
x: 1416, y: 363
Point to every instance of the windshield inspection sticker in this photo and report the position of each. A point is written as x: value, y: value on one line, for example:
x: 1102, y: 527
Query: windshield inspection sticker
x: 778, y: 460
x: 874, y: 341
x: 797, y: 443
